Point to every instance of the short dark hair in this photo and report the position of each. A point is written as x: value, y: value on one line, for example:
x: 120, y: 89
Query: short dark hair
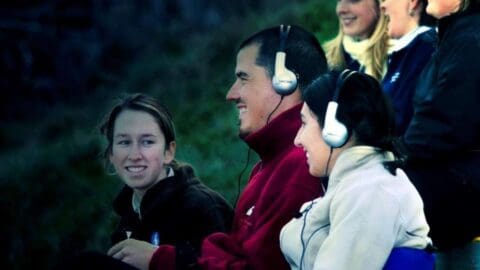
x: 143, y: 103
x: 305, y: 56
x: 362, y: 107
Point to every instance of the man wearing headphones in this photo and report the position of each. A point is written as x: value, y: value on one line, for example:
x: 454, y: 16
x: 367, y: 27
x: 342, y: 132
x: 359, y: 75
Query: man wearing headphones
x: 273, y: 67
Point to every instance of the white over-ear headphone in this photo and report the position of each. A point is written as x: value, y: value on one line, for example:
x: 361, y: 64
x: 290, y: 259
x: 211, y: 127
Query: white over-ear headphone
x: 284, y: 81
x: 334, y: 132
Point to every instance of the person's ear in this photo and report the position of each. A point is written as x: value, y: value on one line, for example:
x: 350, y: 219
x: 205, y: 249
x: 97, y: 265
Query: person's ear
x: 170, y: 152
x: 413, y: 5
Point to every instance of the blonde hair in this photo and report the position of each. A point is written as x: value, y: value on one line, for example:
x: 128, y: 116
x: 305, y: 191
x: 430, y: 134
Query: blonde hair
x: 376, y: 50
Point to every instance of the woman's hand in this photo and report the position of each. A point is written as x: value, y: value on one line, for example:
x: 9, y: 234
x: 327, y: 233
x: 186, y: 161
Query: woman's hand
x: 134, y: 252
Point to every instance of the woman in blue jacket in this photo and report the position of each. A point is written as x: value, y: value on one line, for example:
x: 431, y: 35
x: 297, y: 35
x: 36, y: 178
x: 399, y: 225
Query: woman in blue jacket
x: 388, y: 45
x: 413, y: 45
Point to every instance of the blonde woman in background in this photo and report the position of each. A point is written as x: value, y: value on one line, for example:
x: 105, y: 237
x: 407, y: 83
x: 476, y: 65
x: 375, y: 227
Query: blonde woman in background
x: 362, y: 41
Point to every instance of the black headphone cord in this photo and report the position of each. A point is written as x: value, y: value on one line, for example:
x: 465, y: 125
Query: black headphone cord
x: 302, y: 231
x: 239, y: 180
x: 325, y: 177
x: 275, y: 109
x: 328, y: 161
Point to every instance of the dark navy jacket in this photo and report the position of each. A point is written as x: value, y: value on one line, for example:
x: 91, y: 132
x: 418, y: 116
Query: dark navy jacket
x: 403, y: 70
x: 404, y: 67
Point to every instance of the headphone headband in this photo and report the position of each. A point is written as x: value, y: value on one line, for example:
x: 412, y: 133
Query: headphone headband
x: 342, y: 77
x: 284, y: 81
x: 283, y: 36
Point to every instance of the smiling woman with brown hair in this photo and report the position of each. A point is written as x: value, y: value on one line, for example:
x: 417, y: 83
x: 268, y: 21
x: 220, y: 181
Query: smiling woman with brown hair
x: 163, y: 202
x: 162, y: 198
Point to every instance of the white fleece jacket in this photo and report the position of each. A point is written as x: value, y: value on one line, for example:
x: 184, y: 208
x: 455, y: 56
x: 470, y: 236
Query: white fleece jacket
x: 365, y: 212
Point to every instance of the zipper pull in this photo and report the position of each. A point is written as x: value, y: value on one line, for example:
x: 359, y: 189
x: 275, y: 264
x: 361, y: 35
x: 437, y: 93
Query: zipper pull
x: 155, y: 239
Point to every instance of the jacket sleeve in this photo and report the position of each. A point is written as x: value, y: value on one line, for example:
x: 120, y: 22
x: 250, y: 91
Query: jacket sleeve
x: 203, y: 212
x: 254, y: 243
x: 216, y: 214
x: 446, y: 112
x: 211, y: 214
x: 163, y: 258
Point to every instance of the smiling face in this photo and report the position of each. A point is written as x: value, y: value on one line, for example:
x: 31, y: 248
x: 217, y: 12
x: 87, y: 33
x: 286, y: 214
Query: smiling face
x: 442, y: 8
x: 309, y: 137
x: 358, y: 18
x: 252, y: 92
x: 400, y: 22
x: 139, y: 154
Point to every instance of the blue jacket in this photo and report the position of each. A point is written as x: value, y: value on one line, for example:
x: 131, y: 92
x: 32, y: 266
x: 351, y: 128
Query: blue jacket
x: 405, y: 64
x: 410, y: 55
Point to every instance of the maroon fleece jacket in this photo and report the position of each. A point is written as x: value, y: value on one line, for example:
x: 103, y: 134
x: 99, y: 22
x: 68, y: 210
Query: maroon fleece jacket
x: 279, y: 184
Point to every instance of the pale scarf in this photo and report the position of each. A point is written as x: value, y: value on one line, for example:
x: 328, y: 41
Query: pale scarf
x: 357, y: 48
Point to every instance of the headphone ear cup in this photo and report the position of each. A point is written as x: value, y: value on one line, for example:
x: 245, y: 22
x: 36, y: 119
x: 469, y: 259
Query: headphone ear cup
x: 284, y: 81
x: 334, y: 133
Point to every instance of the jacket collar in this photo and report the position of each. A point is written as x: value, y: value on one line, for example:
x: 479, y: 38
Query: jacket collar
x: 354, y: 157
x: 277, y: 135
x: 407, y: 39
x: 460, y: 19
x: 136, y: 201
x: 166, y: 190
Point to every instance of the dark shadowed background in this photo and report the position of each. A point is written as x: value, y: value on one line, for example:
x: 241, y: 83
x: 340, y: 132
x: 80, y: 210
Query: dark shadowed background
x: 62, y: 65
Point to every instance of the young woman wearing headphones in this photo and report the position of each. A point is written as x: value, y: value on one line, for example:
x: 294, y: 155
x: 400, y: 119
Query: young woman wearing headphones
x: 370, y: 207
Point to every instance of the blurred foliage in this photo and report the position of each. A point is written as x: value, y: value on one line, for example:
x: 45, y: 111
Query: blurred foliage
x: 55, y: 196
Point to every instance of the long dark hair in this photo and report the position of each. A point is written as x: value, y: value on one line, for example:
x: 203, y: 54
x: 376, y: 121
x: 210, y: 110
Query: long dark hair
x: 363, y: 108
